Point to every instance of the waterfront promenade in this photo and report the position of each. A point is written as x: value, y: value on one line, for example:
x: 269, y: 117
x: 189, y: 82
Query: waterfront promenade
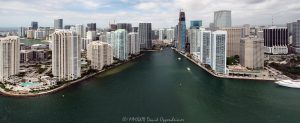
x: 30, y: 94
x: 220, y: 75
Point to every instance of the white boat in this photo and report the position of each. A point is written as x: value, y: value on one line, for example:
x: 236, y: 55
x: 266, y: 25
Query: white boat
x: 289, y: 83
x: 179, y: 58
x: 189, y: 69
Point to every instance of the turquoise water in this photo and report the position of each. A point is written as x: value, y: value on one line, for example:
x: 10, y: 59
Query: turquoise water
x: 158, y: 85
x: 29, y: 84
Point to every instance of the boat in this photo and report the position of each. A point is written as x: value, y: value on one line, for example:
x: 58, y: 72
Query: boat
x: 189, y: 69
x: 161, y: 48
x: 289, y: 83
x: 179, y: 58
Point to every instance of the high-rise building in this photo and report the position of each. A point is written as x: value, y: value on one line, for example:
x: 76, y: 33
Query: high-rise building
x: 246, y: 31
x: 145, y: 31
x: 134, y: 44
x: 126, y: 26
x: 92, y: 26
x: 194, y: 37
x: 80, y: 30
x: 30, y: 34
x: 68, y: 26
x: 195, y: 24
x: 9, y: 57
x: 34, y: 25
x: 222, y: 19
x: 91, y: 35
x: 22, y: 32
x: 66, y: 55
x: 121, y: 44
x: 205, y: 47
x: 100, y: 54
x: 296, y: 37
x: 135, y: 29
x: 162, y: 34
x: 85, y: 42
x: 233, y: 40
x: 40, y: 34
x: 170, y: 34
x: 219, y: 48
x: 113, y: 27
x: 181, y: 46
x: 276, y: 40
x: 58, y: 24
x: 252, y: 52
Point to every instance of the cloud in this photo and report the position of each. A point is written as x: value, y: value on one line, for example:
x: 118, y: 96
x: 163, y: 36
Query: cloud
x: 162, y: 13
x: 146, y: 6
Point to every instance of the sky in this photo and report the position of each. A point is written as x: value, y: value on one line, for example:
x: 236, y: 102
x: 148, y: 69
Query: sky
x: 161, y: 13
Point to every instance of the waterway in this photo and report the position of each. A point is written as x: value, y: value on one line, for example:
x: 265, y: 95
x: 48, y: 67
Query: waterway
x: 158, y: 85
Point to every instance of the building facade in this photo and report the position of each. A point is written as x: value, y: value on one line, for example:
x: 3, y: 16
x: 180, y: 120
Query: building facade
x: 58, y: 24
x: 195, y: 24
x: 276, y: 40
x: 145, y: 35
x: 181, y: 45
x: 296, y: 37
x: 9, y: 57
x: 222, y: 19
x: 100, y: 54
x: 219, y: 49
x: 134, y: 44
x: 252, y: 53
x: 34, y: 25
x: 233, y: 40
x: 66, y: 55
x: 121, y: 44
x: 206, y: 48
x: 91, y: 26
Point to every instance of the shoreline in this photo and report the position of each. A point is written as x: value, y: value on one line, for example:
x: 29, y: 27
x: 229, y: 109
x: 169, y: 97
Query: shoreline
x: 66, y: 85
x: 219, y: 76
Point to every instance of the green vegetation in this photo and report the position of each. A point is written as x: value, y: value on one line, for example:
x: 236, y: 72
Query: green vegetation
x: 290, y: 69
x: 233, y: 60
x: 41, y: 70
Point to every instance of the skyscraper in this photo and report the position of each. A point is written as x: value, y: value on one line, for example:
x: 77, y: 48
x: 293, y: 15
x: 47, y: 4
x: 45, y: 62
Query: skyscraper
x: 9, y: 56
x: 121, y: 44
x: 145, y: 30
x: 58, y: 24
x: 245, y: 31
x: 205, y: 50
x: 134, y: 44
x: 126, y: 26
x: 222, y: 19
x: 252, y: 52
x: 195, y: 24
x: 162, y: 34
x: 194, y: 37
x: 66, y: 55
x: 34, y: 25
x: 296, y: 37
x: 100, y: 54
x: 276, y: 40
x: 233, y: 40
x: 170, y: 34
x: 91, y: 26
x: 22, y: 32
x: 181, y: 32
x: 219, y: 48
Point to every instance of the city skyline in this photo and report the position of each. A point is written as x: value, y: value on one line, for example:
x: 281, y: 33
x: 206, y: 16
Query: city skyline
x: 125, y: 11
